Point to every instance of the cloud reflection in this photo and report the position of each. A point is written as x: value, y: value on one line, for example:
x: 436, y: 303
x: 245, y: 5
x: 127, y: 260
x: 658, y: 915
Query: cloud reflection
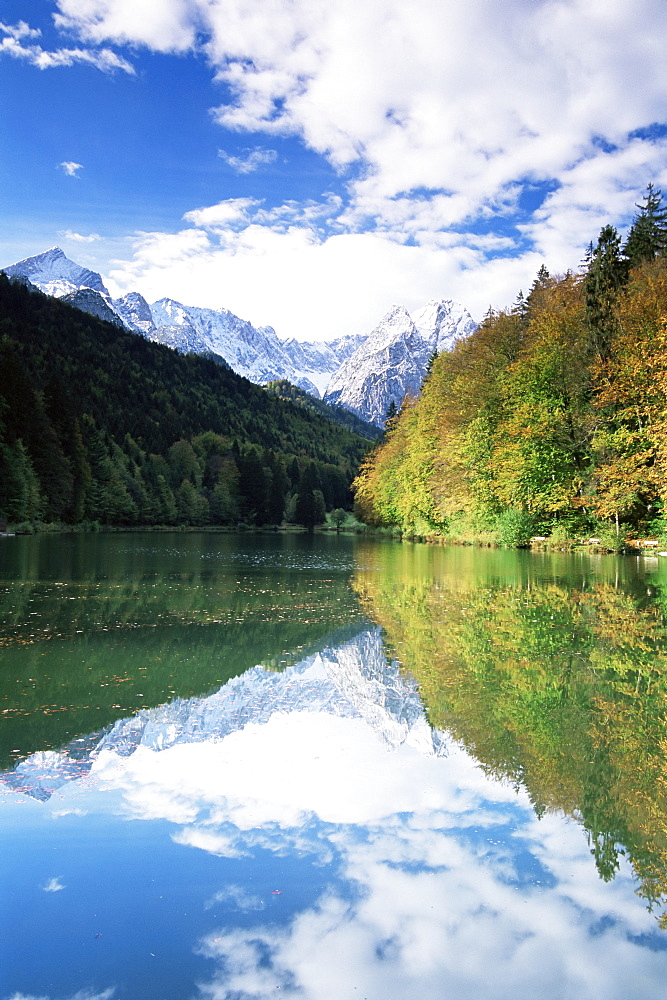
x: 79, y: 995
x: 439, y: 881
x: 450, y: 884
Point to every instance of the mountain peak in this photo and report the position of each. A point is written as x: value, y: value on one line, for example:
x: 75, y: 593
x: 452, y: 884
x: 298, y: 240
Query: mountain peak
x: 54, y: 273
x: 393, y: 359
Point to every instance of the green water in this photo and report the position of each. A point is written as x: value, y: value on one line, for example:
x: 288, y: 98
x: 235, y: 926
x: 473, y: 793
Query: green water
x: 244, y: 766
x: 93, y: 627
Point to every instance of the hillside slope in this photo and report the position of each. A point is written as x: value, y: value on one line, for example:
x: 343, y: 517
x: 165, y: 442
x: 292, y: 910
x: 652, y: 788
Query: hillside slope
x: 99, y: 409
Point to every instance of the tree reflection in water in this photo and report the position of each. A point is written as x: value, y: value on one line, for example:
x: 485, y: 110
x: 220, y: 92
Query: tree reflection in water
x: 553, y: 674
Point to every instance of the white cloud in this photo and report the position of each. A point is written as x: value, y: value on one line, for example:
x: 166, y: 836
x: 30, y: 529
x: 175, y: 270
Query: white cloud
x: 236, y: 897
x: 435, y: 902
x: 19, y: 30
x: 11, y: 45
x: 221, y: 844
x: 250, y: 160
x: 226, y: 214
x: 436, y: 115
x: 162, y: 25
x: 79, y: 995
x: 53, y: 885
x: 285, y: 273
x: 71, y: 168
x: 67, y: 234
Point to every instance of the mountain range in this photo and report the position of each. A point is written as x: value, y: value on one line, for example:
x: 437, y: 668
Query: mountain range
x: 364, y: 374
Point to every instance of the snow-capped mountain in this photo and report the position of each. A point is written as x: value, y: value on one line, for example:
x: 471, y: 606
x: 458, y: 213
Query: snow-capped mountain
x: 135, y: 313
x: 56, y: 274
x: 354, y: 679
x: 362, y: 373
x: 391, y: 362
x: 257, y: 353
x: 94, y: 303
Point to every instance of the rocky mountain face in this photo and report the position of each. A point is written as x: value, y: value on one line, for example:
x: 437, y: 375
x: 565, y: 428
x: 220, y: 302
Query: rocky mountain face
x: 392, y: 361
x: 364, y: 374
x: 56, y: 274
x: 94, y: 303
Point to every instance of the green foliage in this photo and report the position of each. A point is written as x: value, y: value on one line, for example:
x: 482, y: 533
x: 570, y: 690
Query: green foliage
x: 514, y: 527
x: 552, y: 413
x: 310, y: 508
x: 553, y: 687
x: 647, y: 238
x: 337, y: 414
x: 338, y: 518
x: 101, y: 425
x: 607, y: 272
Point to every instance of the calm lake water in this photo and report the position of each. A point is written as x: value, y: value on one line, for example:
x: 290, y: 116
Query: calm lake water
x: 241, y: 767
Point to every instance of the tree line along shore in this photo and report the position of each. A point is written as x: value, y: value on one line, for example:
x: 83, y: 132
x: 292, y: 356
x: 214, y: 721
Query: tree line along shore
x: 549, y: 423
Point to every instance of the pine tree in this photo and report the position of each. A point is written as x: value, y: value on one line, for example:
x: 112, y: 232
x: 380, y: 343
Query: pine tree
x: 607, y: 274
x: 647, y: 238
x: 537, y: 291
x: 521, y: 307
x: 20, y: 496
x: 27, y: 419
x: 310, y: 509
x: 390, y: 418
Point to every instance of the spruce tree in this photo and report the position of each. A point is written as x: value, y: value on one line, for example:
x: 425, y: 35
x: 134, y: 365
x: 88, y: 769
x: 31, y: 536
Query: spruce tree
x: 310, y: 508
x: 607, y: 274
x: 647, y: 238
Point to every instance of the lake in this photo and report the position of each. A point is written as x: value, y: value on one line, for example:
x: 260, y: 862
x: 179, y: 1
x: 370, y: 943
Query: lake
x: 236, y: 767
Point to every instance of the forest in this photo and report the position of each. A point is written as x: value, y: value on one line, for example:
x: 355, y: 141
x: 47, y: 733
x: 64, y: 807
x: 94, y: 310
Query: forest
x: 99, y: 426
x: 550, y: 421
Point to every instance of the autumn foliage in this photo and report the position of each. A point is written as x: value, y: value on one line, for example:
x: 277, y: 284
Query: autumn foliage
x: 550, y: 417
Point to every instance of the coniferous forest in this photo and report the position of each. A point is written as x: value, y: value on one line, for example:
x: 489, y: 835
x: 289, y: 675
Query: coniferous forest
x: 100, y: 426
x: 551, y: 419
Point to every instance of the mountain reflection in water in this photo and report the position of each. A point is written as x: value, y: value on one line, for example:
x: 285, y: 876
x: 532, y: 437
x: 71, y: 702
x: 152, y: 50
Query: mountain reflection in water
x: 315, y: 832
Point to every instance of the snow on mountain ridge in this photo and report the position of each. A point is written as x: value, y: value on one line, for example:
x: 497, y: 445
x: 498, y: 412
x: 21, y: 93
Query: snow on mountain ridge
x: 362, y: 373
x: 135, y: 312
x: 57, y: 275
x: 355, y: 679
x: 392, y: 361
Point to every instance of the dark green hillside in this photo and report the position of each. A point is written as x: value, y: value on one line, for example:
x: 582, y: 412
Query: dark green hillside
x: 338, y: 414
x: 97, y: 423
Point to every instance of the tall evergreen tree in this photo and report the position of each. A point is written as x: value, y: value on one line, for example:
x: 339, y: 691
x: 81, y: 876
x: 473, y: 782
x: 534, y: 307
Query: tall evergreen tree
x: 607, y: 273
x: 27, y: 419
x: 647, y: 238
x: 310, y: 508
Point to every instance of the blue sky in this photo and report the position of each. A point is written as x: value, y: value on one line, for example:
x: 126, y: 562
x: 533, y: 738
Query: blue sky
x: 308, y: 164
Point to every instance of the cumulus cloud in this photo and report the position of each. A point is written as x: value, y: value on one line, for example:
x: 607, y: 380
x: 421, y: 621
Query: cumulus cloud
x: 232, y: 212
x: 71, y: 168
x: 282, y: 271
x: 432, y: 895
x: 463, y: 98
x: 438, y: 117
x: 250, y: 159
